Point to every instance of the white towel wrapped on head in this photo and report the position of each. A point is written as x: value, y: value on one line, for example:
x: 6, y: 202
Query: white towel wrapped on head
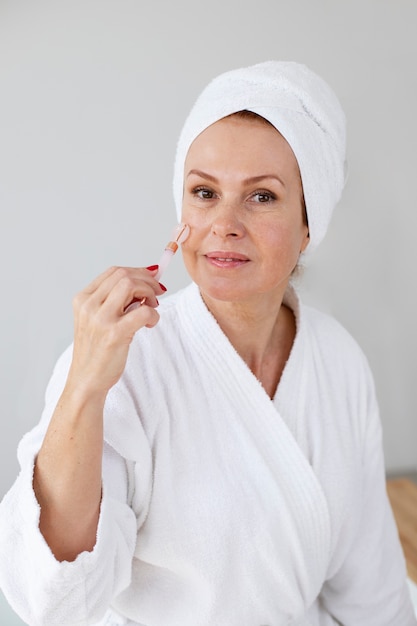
x: 306, y: 112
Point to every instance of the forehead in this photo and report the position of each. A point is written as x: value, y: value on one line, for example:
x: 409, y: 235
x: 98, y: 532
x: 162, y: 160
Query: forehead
x: 235, y: 140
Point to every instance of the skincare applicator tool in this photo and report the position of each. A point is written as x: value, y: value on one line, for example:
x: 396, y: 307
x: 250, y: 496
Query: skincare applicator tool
x: 179, y: 235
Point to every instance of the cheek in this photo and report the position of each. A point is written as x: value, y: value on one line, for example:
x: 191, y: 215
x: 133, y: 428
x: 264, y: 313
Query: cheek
x: 199, y: 223
x: 187, y: 258
x: 192, y: 215
x: 191, y: 259
x: 192, y: 244
x: 283, y: 244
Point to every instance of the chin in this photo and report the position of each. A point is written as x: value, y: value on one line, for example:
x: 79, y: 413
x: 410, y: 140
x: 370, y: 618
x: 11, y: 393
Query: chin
x: 228, y: 293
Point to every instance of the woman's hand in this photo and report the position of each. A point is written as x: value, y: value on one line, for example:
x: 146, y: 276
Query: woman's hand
x: 104, y: 328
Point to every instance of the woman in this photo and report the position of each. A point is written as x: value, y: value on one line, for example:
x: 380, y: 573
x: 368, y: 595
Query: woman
x: 241, y: 478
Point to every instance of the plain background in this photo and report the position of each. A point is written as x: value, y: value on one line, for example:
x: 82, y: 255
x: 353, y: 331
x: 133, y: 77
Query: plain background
x: 93, y: 94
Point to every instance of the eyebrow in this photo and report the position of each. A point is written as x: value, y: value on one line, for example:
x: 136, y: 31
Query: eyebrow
x: 249, y: 180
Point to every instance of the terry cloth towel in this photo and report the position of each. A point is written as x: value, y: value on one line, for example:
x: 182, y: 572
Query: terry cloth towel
x: 306, y: 112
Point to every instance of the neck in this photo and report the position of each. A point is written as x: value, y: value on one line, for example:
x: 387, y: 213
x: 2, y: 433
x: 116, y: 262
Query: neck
x: 261, y: 331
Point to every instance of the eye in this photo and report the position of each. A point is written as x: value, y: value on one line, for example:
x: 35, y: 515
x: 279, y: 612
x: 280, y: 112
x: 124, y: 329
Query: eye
x: 264, y: 196
x: 204, y: 193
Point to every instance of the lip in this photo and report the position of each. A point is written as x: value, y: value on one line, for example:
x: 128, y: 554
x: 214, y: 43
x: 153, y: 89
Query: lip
x: 226, y: 259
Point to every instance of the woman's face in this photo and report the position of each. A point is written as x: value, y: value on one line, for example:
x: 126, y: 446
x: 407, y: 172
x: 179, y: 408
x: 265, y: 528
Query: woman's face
x: 243, y: 203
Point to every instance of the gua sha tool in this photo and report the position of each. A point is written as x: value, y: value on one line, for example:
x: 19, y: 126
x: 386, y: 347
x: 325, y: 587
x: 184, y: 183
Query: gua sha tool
x: 179, y: 235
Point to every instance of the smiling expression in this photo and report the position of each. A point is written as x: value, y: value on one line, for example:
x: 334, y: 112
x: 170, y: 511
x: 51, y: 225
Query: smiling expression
x: 243, y: 203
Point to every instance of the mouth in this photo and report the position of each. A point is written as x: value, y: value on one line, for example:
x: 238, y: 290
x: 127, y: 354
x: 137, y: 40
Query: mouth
x: 226, y: 259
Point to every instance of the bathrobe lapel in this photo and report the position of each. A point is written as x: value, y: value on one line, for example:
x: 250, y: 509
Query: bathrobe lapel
x: 304, y: 515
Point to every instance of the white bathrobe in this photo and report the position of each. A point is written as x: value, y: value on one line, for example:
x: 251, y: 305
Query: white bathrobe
x: 220, y: 506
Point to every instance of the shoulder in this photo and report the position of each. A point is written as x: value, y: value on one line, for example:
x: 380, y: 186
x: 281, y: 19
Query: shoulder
x: 326, y: 327
x: 331, y: 342
x: 339, y: 375
x: 316, y: 326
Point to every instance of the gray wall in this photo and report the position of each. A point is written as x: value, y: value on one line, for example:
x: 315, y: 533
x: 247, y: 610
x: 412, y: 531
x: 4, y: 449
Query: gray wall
x: 92, y: 98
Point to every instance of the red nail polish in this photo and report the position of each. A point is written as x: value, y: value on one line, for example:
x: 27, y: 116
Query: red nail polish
x: 151, y: 268
x: 162, y: 287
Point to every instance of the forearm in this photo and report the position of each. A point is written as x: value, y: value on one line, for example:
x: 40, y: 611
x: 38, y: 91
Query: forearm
x: 68, y: 474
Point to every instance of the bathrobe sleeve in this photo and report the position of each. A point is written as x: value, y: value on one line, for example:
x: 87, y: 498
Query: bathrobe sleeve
x: 43, y: 591
x: 369, y: 588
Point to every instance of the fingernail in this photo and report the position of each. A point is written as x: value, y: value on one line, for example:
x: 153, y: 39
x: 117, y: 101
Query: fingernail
x: 162, y: 287
x: 151, y: 268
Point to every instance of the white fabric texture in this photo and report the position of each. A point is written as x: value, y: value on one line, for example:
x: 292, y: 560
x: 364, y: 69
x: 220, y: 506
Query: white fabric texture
x: 221, y: 507
x: 302, y: 107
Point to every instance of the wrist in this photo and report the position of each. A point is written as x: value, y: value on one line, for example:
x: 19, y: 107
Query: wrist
x: 82, y: 394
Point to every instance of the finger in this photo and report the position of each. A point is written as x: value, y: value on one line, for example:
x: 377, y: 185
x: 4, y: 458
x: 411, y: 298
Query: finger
x: 139, y: 316
x: 114, y: 273
x: 130, y: 290
x: 98, y: 280
x: 105, y: 284
x: 134, y: 305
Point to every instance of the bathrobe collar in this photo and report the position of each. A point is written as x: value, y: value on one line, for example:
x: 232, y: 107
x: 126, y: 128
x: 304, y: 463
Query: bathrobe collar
x: 308, y: 520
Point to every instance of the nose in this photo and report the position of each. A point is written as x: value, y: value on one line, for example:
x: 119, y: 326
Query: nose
x: 227, y: 221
